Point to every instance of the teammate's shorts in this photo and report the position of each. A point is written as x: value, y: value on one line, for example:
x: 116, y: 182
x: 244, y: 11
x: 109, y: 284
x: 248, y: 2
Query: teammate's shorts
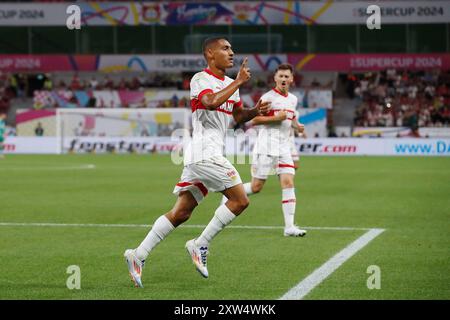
x: 265, y: 165
x: 215, y: 174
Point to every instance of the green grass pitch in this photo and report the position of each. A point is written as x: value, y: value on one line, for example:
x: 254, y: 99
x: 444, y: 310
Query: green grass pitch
x: 408, y: 197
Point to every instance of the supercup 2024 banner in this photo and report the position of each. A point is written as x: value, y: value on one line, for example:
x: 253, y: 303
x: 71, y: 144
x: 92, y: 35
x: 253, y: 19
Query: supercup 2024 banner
x: 193, y: 63
x: 225, y: 13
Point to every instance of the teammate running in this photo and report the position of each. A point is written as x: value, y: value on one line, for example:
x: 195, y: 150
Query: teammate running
x: 272, y: 150
x: 214, y: 100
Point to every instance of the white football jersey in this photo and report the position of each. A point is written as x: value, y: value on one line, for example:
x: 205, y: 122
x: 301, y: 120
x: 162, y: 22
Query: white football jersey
x: 209, y: 126
x: 273, y: 139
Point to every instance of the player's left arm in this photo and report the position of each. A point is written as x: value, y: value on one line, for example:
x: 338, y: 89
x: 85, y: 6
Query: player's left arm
x: 299, y: 128
x: 242, y: 115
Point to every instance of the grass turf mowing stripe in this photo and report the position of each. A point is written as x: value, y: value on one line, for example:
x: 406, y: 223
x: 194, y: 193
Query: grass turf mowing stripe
x: 115, y: 225
x: 314, y: 279
x: 40, y: 168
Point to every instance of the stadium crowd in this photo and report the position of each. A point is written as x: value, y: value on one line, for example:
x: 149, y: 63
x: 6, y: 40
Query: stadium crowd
x: 28, y: 85
x: 394, y: 98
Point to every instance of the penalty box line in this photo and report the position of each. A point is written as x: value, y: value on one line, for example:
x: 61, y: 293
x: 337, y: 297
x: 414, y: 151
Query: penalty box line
x: 305, y: 286
x: 115, y: 225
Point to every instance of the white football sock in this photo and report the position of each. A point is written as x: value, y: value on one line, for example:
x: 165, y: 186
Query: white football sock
x: 247, y: 189
x: 288, y: 206
x: 161, y: 228
x: 222, y: 217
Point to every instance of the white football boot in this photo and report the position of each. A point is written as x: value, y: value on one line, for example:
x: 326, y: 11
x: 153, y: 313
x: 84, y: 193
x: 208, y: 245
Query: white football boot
x: 134, y: 267
x: 294, y: 232
x: 198, y: 255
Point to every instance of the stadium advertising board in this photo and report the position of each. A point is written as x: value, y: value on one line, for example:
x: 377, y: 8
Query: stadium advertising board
x: 224, y: 13
x: 380, y: 147
x: 27, y: 145
x: 235, y: 146
x: 369, y: 62
x: 161, y: 145
x: 47, y: 63
x: 182, y: 62
x: 359, y: 146
x: 256, y: 62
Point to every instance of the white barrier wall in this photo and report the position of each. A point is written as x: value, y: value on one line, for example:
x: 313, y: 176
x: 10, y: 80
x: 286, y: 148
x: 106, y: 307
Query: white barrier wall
x: 30, y: 145
x: 235, y: 146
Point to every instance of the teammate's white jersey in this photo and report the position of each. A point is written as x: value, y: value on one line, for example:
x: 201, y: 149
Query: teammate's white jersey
x: 273, y: 139
x: 209, y: 126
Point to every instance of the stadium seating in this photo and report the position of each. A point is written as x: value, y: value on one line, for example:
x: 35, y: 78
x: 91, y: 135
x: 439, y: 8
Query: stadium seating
x: 401, y: 98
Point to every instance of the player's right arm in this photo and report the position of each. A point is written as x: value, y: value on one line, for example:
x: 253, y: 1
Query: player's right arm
x: 213, y: 100
x: 280, y: 116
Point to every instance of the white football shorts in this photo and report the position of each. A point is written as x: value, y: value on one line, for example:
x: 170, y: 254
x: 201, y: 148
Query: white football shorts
x: 214, y: 174
x: 265, y: 165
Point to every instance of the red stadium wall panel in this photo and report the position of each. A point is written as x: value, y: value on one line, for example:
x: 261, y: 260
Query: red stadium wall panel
x: 369, y: 62
x: 47, y: 63
x: 257, y: 62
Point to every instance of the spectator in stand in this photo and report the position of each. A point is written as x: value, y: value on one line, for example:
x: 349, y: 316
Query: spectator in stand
x: 39, y: 131
x: 93, y: 83
x: 298, y: 78
x: 75, y: 84
x: 48, y: 83
x: 62, y: 85
x: 411, y: 99
x: 186, y: 83
x: 142, y: 80
x: 315, y: 83
x: 22, y: 85
x: 108, y: 83
x: 351, y: 84
x: 174, y: 101
x: 135, y: 84
x: 123, y: 84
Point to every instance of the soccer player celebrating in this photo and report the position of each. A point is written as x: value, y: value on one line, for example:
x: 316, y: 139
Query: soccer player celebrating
x: 214, y: 100
x: 272, y: 150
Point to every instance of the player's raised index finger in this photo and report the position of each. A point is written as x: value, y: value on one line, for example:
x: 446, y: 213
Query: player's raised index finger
x: 244, y: 63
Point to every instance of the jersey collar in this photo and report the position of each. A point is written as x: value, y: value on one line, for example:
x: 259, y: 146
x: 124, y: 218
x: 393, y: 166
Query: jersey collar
x: 214, y: 75
x: 280, y: 93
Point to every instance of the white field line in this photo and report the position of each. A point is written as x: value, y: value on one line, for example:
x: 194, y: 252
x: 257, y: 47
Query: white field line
x: 320, y: 274
x: 196, y: 226
x: 296, y: 293
x: 39, y: 168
